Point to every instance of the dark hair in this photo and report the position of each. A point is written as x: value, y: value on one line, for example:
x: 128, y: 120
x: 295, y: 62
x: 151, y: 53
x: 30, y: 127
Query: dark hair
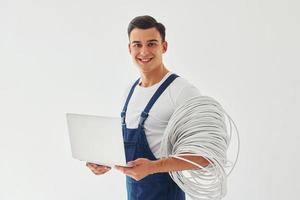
x: 145, y: 22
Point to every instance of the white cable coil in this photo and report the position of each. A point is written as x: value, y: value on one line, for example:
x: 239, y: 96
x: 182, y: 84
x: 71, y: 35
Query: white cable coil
x: 198, y: 128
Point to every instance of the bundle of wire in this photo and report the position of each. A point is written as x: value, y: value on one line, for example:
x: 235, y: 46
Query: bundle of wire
x: 198, y: 128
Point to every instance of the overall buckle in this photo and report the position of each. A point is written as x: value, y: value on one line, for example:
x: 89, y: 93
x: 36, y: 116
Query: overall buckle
x: 143, y: 118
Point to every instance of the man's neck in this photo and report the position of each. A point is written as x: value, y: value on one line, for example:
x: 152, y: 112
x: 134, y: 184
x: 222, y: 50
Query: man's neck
x: 153, y: 77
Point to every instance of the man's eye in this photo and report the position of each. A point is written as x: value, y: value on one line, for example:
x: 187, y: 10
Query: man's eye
x: 137, y: 45
x: 151, y: 44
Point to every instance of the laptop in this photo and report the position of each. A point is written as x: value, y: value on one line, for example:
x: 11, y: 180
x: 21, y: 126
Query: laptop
x: 96, y: 139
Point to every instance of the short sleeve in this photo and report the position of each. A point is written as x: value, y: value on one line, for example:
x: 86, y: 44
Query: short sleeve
x: 186, y: 93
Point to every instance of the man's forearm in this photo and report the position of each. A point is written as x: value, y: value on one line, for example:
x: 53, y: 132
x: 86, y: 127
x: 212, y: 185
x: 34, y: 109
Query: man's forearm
x: 174, y: 164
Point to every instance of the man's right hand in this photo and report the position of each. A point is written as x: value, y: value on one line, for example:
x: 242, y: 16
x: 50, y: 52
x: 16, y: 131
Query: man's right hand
x: 97, y: 169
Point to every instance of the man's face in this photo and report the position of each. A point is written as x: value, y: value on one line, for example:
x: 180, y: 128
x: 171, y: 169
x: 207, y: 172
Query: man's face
x: 146, y: 48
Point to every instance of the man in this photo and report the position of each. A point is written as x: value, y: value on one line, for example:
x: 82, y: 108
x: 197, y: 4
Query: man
x: 150, y: 103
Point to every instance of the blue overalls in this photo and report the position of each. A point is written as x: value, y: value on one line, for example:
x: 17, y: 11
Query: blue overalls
x: 157, y: 186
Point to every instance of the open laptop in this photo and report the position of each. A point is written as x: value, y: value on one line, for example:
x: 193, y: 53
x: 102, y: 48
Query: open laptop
x: 96, y: 139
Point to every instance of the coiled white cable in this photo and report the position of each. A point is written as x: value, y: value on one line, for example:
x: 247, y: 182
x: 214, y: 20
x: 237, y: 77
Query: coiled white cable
x: 198, y: 128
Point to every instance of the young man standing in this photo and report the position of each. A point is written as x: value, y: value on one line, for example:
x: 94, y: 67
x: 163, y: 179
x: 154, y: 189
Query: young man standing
x: 149, y: 105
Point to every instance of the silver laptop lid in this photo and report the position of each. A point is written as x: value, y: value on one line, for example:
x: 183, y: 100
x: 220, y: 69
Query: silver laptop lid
x: 96, y: 139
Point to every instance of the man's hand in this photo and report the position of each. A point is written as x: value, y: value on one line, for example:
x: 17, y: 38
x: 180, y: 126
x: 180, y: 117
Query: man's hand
x: 142, y: 167
x: 138, y: 169
x: 97, y: 169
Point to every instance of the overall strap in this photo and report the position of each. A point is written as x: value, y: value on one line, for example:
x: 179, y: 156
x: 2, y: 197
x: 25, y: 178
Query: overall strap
x: 156, y: 95
x: 123, y: 113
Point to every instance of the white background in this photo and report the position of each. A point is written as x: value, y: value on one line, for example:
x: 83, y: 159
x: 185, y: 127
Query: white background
x: 63, y: 56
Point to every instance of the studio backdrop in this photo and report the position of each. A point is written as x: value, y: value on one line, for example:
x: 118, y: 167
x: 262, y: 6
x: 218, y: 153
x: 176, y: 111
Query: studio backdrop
x: 64, y: 56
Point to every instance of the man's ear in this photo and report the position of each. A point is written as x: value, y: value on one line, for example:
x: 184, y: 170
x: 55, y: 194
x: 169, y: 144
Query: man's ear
x: 165, y: 46
x: 129, y: 49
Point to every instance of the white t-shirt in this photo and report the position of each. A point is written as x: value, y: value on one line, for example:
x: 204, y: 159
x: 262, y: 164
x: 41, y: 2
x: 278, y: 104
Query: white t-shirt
x: 175, y: 94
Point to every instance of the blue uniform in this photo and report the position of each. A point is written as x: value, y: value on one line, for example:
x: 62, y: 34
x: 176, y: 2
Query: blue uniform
x: 157, y: 186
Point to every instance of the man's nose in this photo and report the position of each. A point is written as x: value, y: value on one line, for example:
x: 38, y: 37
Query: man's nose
x: 144, y: 50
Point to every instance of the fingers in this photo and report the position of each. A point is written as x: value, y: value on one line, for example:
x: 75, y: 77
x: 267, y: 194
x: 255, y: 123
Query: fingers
x: 131, y: 164
x: 97, y: 169
x: 129, y: 172
x: 126, y: 170
x: 136, y: 162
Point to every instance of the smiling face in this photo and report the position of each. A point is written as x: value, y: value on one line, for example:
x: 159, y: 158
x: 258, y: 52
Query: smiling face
x: 146, y: 48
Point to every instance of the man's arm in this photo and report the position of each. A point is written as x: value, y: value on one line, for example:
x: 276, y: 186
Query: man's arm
x: 143, y: 167
x: 173, y: 164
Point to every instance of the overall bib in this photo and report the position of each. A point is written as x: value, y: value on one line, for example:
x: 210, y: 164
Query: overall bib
x: 157, y: 186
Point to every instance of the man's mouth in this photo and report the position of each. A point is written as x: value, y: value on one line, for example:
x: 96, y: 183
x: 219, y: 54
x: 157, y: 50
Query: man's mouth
x: 144, y: 60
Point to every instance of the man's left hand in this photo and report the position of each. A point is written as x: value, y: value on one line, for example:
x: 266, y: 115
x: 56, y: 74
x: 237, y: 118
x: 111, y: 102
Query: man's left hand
x: 138, y: 169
